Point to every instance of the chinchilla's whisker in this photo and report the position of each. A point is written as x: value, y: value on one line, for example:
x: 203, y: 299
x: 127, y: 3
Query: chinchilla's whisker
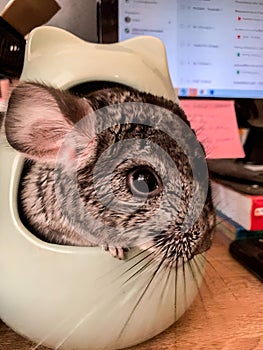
x: 206, y: 280
x: 191, y: 267
x: 140, y: 270
x: 209, y: 262
x: 142, y: 257
x: 168, y: 272
x: 132, y: 267
x: 158, y: 268
x: 219, y: 222
x: 168, y: 276
x: 175, y: 288
x: 114, y: 270
x: 144, y: 267
x: 70, y: 333
x: 66, y: 337
x: 141, y: 253
x: 163, y: 283
x: 184, y: 284
x: 41, y: 342
x: 191, y: 264
x: 97, y: 304
x: 197, y: 264
x: 148, y: 249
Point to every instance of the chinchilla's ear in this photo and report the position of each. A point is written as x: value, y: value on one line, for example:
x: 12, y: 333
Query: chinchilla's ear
x: 38, y: 119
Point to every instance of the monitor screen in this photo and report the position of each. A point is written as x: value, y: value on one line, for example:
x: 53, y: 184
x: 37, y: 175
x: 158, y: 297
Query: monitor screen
x: 214, y: 47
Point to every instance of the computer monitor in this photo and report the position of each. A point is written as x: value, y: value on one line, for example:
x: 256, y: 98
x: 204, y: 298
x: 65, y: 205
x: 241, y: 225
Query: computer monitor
x: 214, y: 47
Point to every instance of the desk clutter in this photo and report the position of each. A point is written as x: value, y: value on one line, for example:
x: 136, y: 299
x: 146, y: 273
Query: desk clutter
x: 239, y: 203
x: 243, y: 208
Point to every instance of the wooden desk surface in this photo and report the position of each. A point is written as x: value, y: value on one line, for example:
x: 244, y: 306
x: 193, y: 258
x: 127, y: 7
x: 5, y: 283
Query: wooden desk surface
x: 229, y: 316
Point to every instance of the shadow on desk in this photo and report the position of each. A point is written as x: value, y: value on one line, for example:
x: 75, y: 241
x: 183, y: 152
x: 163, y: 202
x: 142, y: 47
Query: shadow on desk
x: 228, y: 315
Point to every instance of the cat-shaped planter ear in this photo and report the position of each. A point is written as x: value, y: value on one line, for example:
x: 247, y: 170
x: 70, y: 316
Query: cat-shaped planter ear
x: 39, y: 118
x: 58, y: 58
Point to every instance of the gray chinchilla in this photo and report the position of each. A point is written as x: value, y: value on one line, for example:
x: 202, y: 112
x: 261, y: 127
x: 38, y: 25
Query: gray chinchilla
x: 129, y: 174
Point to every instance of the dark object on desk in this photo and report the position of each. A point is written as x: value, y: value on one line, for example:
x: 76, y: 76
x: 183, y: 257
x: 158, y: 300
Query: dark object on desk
x: 248, y: 117
x: 249, y: 252
x: 251, y: 189
x: 16, y: 20
x: 253, y: 146
x: 234, y: 174
x: 12, y: 50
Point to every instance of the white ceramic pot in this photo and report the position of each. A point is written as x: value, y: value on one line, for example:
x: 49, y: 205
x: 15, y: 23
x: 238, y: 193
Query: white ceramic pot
x: 76, y: 297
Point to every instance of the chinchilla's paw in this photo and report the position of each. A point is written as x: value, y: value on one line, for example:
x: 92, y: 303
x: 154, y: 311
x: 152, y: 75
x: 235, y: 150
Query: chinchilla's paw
x: 116, y: 252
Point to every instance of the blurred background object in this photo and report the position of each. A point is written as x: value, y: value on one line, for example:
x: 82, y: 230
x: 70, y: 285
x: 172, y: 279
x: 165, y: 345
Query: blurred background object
x: 25, y: 15
x: 18, y: 18
x: 78, y: 17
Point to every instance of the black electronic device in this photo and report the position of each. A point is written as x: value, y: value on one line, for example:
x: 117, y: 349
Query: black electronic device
x: 249, y: 252
x: 12, y: 50
x: 17, y: 19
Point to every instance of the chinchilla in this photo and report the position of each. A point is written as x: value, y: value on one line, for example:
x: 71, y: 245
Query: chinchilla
x: 111, y: 167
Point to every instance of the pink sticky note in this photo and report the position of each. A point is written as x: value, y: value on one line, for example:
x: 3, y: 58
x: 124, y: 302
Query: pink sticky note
x: 216, y: 127
x: 4, y: 89
x: 4, y: 94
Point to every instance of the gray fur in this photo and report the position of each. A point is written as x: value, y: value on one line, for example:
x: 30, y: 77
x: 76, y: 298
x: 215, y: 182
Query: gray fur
x: 59, y: 214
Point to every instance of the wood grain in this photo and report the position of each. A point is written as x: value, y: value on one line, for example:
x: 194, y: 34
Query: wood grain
x: 228, y: 315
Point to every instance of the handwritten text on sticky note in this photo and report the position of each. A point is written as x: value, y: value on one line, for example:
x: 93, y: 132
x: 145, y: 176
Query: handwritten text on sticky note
x: 216, y: 127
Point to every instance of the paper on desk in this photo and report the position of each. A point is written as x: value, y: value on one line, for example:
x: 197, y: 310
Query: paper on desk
x: 216, y: 127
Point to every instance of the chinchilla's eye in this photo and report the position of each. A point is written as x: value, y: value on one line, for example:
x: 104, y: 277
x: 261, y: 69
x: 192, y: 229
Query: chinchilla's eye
x: 143, y: 181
